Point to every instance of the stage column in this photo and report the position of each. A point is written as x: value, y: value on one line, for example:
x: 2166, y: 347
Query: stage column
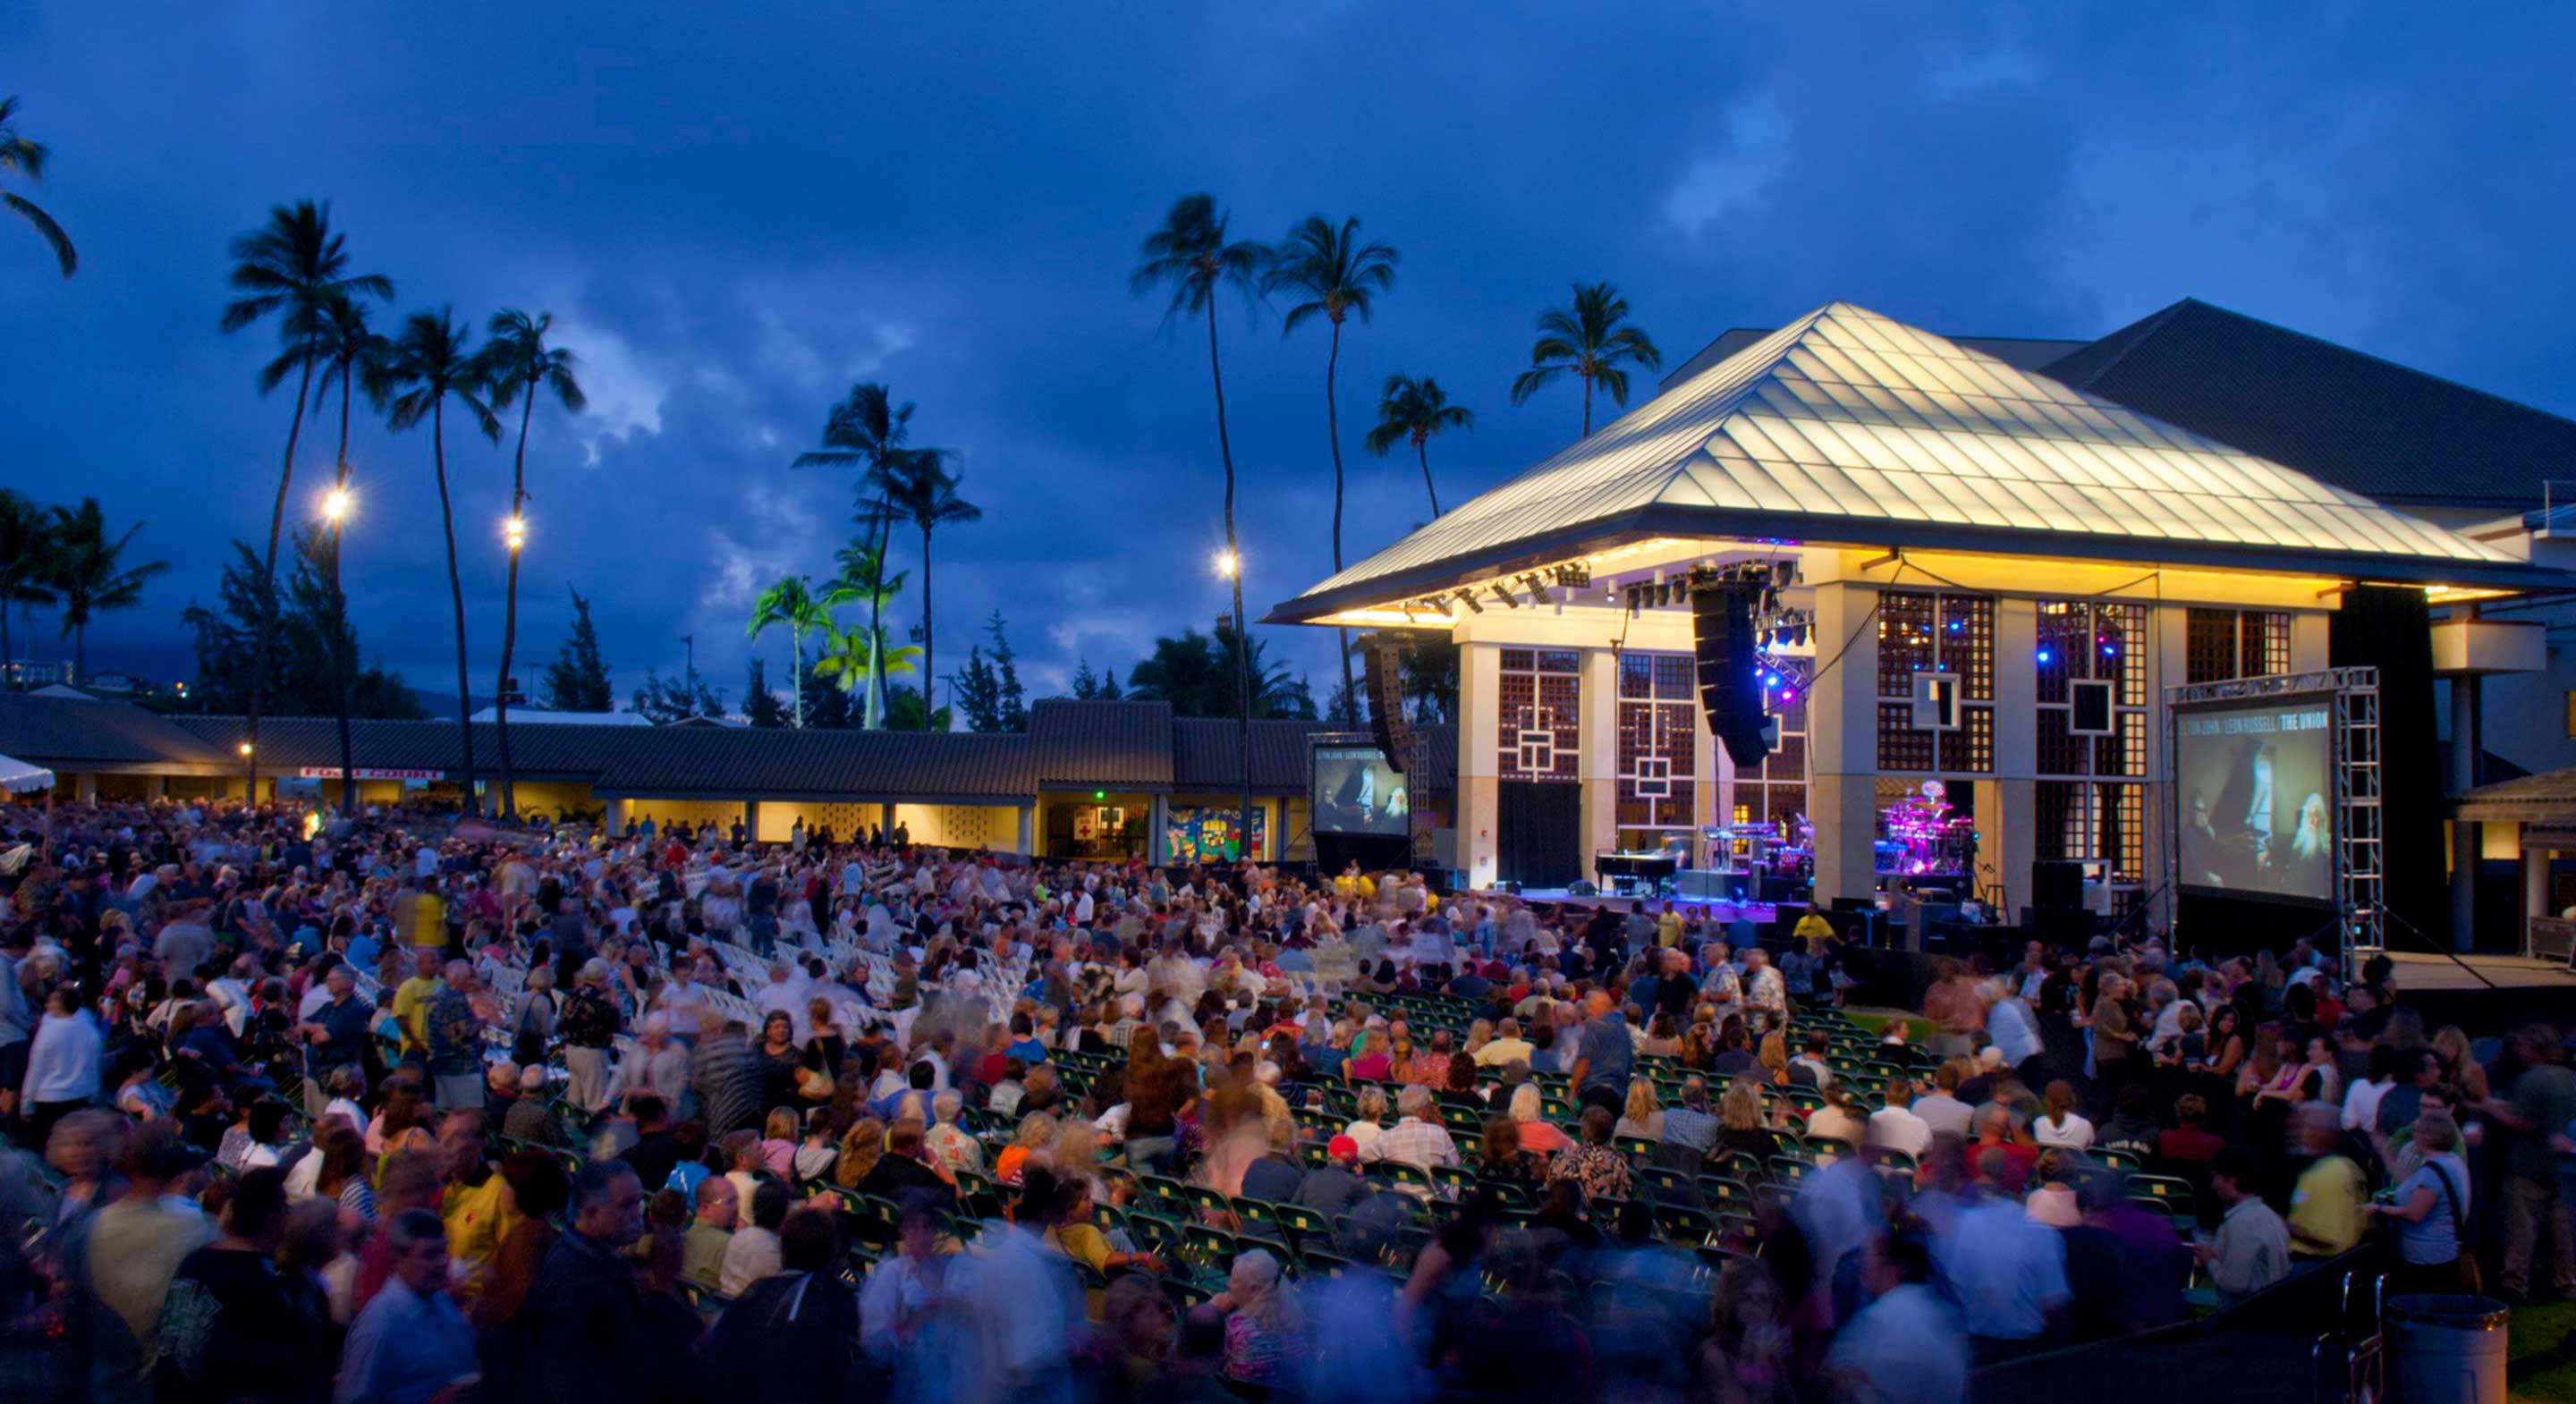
x: 1480, y: 700
x: 620, y: 813
x: 1157, y: 852
x: 1599, y: 767
x: 1842, y: 743
x: 2467, y: 837
x: 2006, y: 838
x: 2535, y: 890
x: 1028, y: 828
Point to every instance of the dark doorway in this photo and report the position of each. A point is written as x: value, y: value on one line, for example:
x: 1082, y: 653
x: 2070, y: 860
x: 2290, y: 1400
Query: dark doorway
x: 1538, y: 832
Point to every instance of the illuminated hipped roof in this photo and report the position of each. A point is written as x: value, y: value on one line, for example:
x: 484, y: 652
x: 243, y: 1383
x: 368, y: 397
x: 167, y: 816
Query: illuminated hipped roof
x: 1844, y: 426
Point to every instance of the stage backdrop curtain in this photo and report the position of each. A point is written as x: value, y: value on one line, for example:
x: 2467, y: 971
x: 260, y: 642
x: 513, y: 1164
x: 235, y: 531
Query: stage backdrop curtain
x: 2388, y: 627
x: 1538, y: 832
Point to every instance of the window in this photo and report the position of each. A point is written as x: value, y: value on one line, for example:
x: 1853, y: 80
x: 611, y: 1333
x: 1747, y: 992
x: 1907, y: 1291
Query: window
x: 1539, y: 727
x: 1923, y: 633
x: 1775, y: 792
x: 2091, y: 800
x: 1658, y: 745
x: 2219, y: 644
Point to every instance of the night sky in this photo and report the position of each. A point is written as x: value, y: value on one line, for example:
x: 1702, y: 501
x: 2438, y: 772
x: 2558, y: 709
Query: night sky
x: 736, y: 210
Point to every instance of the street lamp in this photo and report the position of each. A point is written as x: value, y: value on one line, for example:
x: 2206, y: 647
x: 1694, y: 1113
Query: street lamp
x: 1229, y: 564
x: 515, y: 532
x: 245, y: 748
x: 335, y: 505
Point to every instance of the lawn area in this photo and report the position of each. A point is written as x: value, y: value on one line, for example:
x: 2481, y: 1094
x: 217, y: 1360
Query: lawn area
x: 1874, y: 1020
x: 2543, y: 1355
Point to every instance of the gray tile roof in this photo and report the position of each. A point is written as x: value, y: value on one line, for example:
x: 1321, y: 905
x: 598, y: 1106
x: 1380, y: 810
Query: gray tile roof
x: 2347, y: 418
x: 1106, y: 744
x: 672, y: 762
x: 85, y: 735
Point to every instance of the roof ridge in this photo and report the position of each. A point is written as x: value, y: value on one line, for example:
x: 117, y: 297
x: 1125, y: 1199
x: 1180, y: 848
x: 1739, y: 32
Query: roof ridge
x: 2370, y: 356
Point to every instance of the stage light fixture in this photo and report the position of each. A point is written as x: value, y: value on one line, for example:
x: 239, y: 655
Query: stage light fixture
x: 1537, y: 588
x: 1505, y: 595
x: 1468, y: 598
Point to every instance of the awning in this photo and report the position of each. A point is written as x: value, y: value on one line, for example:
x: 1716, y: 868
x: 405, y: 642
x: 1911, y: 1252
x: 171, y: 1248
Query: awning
x: 18, y: 777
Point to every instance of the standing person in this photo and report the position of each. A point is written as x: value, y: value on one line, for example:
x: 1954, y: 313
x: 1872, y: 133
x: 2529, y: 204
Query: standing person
x: 1604, y: 1057
x: 2535, y: 1203
x: 335, y: 1038
x: 2252, y: 1249
x: 62, y: 1065
x: 588, y: 1024
x: 582, y: 1332
x: 135, y: 1248
x: 455, y: 1040
x: 2325, y: 1207
x: 2115, y: 1040
x: 412, y: 1344
x: 233, y: 1327
x: 1904, y: 1347
x: 2430, y: 1208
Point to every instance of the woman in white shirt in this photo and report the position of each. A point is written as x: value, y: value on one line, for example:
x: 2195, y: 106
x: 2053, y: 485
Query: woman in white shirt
x: 2059, y: 1127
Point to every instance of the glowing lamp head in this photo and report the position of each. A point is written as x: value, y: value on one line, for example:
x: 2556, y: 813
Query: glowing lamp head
x: 335, y: 505
x: 1228, y: 564
x: 515, y: 532
x: 244, y: 748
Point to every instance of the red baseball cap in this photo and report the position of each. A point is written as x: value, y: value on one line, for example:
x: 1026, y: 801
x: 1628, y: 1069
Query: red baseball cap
x: 1342, y: 1148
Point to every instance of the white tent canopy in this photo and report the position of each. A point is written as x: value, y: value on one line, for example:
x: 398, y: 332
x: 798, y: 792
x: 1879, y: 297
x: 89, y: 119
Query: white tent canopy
x: 18, y: 777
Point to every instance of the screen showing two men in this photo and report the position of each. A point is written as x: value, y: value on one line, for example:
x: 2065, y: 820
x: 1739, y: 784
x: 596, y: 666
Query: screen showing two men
x: 2254, y: 785
x: 1357, y: 792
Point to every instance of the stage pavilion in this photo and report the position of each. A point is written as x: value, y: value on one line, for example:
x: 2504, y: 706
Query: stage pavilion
x: 1924, y: 509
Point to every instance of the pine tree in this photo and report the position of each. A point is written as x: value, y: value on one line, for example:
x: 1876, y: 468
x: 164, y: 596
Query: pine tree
x: 663, y: 699
x: 760, y: 706
x: 1012, y: 702
x: 979, y: 692
x: 577, y: 681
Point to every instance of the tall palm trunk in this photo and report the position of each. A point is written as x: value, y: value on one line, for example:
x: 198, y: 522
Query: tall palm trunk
x: 1425, y: 455
x: 929, y: 652
x: 510, y: 611
x: 80, y: 654
x: 340, y: 661
x: 796, y: 643
x: 8, y: 652
x: 1587, y: 404
x: 268, y: 592
x: 875, y: 710
x: 1333, y: 435
x: 455, y: 595
x: 1242, y: 633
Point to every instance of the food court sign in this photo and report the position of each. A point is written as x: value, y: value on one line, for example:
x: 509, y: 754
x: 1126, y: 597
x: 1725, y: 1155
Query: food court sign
x: 332, y: 772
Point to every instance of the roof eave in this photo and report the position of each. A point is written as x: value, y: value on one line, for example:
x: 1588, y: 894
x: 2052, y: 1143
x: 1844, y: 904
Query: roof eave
x: 1821, y: 528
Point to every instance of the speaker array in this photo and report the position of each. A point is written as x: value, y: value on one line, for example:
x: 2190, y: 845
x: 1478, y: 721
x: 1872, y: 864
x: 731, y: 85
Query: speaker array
x: 1385, y: 683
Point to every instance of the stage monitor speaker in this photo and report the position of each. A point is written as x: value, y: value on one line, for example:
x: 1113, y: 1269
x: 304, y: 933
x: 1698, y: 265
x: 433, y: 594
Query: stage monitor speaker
x: 1729, y: 690
x: 1385, y: 682
x: 2056, y: 883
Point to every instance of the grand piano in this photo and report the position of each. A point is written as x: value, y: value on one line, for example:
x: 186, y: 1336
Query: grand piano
x: 1642, y: 870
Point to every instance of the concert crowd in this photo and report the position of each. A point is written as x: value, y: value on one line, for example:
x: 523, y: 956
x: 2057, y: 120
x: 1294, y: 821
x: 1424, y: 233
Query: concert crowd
x: 388, y: 1108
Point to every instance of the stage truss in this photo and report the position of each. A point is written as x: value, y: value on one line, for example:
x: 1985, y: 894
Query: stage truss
x: 2358, y: 776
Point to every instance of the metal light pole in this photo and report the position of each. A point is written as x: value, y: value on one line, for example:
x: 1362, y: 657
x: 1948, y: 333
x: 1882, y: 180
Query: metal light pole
x: 335, y: 517
x: 1230, y: 565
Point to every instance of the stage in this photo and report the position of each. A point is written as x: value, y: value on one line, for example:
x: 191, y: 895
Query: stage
x: 1694, y: 908
x: 2493, y: 992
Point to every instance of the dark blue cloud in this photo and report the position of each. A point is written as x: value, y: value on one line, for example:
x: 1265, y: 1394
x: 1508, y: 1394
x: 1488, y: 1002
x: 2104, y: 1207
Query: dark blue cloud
x: 734, y: 211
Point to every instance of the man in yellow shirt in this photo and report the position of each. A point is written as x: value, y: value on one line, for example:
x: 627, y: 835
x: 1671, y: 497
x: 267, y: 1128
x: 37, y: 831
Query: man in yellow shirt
x: 474, y: 1202
x: 411, y: 1001
x: 1811, y: 928
x: 420, y: 917
x: 1668, y: 927
x: 2325, y: 1207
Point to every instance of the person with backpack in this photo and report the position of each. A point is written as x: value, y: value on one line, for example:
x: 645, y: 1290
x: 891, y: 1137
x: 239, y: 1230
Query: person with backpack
x: 2430, y: 1211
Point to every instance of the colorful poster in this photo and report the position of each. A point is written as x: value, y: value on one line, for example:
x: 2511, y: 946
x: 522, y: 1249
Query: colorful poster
x: 1198, y: 833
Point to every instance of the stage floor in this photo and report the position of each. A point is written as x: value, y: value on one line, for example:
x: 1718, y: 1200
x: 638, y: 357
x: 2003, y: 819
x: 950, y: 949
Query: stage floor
x: 1697, y: 908
x: 2418, y: 970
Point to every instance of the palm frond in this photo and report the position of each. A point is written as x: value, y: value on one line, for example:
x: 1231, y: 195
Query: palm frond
x: 52, y: 233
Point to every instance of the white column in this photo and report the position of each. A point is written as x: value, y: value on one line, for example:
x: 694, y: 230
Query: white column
x: 1157, y: 852
x: 1480, y: 699
x: 1028, y: 829
x: 1597, y: 735
x: 2007, y: 840
x: 1842, y: 745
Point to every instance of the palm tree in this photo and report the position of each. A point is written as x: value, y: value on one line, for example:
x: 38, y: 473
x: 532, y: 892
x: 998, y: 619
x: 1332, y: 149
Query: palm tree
x: 91, y: 575
x: 1338, y: 275
x: 428, y: 366
x: 856, y: 658
x: 919, y: 489
x: 26, y: 567
x: 27, y: 158
x: 1411, y: 410
x: 518, y: 363
x: 353, y: 356
x: 864, y: 431
x: 1587, y: 340
x: 864, y: 577
x: 1190, y: 253
x: 293, y: 267
x: 792, y: 602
